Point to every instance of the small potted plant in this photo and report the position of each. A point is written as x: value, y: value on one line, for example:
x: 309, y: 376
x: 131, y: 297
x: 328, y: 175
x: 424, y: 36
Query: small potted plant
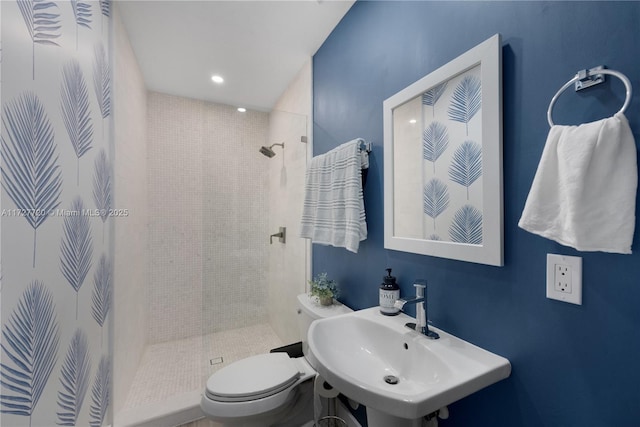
x: 323, y: 288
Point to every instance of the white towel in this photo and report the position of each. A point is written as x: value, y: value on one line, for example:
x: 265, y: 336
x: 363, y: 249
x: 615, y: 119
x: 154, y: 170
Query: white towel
x: 584, y: 192
x: 333, y: 211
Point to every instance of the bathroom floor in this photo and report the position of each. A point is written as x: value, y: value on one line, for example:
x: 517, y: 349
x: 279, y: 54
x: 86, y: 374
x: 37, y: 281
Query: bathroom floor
x: 175, y: 367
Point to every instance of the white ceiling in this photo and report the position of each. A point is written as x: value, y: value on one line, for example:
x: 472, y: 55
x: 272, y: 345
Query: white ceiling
x: 257, y: 46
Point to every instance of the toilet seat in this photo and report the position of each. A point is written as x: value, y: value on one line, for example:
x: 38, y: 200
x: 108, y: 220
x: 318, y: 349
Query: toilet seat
x: 232, y: 394
x: 253, y: 378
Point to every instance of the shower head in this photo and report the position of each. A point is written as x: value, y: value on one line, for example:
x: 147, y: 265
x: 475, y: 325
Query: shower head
x: 267, y: 151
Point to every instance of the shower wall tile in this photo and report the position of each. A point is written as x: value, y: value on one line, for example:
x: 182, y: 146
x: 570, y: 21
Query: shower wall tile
x: 235, y: 227
x: 175, y: 217
x: 131, y: 233
x: 208, y: 223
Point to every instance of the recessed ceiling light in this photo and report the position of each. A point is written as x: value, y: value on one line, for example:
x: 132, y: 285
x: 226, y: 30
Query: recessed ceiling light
x: 413, y: 121
x: 217, y: 79
x: 242, y: 109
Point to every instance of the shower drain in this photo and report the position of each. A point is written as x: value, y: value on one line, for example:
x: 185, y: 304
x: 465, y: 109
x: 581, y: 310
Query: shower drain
x: 391, y: 379
x: 216, y: 360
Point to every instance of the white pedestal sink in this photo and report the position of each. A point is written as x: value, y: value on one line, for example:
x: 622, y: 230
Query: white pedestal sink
x: 398, y: 374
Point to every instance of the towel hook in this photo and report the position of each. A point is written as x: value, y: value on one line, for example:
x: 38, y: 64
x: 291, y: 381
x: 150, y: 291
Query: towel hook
x: 586, y: 74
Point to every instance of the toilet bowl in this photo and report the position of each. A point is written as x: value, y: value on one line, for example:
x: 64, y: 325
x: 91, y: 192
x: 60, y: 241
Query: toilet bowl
x: 268, y: 390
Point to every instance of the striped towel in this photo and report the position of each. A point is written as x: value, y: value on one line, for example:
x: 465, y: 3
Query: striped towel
x: 333, y: 212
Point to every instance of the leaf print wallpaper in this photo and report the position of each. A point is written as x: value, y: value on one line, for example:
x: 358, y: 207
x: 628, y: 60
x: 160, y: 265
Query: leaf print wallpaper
x: 76, y: 249
x: 102, y: 187
x: 56, y: 182
x: 30, y: 171
x: 30, y: 345
x: 452, y: 153
x: 42, y: 21
x: 435, y: 141
x: 100, y: 392
x: 74, y: 380
x: 75, y: 110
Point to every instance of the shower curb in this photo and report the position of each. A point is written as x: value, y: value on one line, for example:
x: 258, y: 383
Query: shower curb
x: 180, y: 409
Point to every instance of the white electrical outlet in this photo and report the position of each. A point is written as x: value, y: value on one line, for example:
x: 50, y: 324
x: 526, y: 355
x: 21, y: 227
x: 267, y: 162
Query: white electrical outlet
x: 564, y: 278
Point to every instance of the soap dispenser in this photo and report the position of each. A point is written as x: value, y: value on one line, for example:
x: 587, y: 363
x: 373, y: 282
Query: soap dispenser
x: 389, y: 293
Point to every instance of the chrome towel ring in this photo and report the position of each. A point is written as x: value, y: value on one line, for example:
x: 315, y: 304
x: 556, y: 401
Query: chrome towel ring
x: 588, y: 75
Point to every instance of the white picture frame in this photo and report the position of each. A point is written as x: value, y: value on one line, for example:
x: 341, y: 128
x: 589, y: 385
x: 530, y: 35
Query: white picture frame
x: 443, y: 190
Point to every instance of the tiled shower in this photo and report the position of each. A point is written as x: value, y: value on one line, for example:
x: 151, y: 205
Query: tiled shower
x: 208, y: 198
x: 208, y: 204
x: 212, y: 202
x: 194, y: 280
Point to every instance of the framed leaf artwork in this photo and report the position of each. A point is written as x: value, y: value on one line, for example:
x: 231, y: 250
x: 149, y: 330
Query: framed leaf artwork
x: 443, y: 161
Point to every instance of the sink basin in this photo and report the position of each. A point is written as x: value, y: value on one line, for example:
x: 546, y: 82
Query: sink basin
x: 377, y: 361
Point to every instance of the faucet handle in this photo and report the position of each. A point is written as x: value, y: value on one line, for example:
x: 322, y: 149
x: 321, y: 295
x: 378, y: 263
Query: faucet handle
x: 420, y: 285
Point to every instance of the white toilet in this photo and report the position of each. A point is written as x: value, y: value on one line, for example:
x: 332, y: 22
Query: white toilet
x: 268, y: 390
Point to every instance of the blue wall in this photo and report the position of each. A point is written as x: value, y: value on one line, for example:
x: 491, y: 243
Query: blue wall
x: 572, y: 365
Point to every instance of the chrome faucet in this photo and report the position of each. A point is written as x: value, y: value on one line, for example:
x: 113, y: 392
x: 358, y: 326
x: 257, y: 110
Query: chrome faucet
x: 420, y: 300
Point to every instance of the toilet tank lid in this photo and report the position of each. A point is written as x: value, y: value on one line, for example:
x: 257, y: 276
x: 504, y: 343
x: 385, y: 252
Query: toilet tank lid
x: 316, y: 311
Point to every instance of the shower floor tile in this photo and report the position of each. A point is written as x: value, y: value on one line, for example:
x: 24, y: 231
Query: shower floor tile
x: 181, y: 366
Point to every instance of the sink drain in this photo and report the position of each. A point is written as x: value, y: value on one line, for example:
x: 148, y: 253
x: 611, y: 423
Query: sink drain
x: 391, y: 379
